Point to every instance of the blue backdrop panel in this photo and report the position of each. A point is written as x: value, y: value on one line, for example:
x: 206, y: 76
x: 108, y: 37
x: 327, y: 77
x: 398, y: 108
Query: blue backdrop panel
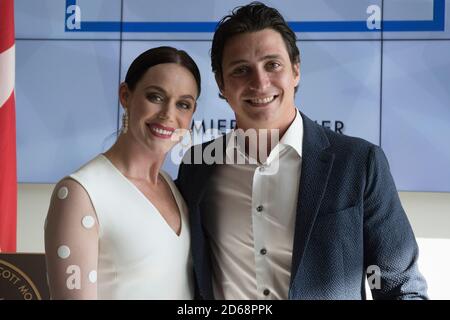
x: 48, y: 19
x: 424, y: 15
x: 340, y: 85
x: 416, y: 113
x: 66, y: 105
x: 313, y: 19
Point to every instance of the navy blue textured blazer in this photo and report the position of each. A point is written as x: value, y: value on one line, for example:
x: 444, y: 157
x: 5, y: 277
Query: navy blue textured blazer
x: 349, y: 217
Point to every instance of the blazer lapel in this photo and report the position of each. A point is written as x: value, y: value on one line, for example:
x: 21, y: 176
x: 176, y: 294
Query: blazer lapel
x: 316, y: 168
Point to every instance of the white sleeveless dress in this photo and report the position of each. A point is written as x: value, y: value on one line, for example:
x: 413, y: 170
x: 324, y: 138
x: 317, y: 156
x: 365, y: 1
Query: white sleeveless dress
x: 140, y: 256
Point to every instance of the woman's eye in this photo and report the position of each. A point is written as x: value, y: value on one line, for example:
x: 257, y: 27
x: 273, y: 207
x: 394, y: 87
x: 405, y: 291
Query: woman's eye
x: 154, y: 98
x: 184, y: 105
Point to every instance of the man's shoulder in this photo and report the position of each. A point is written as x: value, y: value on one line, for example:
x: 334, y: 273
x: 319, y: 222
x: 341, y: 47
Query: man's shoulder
x: 336, y: 142
x: 340, y: 140
x: 348, y: 149
x: 342, y: 143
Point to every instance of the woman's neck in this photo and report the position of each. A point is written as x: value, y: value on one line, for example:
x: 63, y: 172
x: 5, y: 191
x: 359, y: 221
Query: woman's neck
x: 134, y: 161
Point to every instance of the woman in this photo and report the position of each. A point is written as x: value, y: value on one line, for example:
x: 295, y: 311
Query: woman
x: 117, y: 228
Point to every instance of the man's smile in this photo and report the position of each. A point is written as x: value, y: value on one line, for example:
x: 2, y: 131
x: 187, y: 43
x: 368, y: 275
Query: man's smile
x: 261, y: 101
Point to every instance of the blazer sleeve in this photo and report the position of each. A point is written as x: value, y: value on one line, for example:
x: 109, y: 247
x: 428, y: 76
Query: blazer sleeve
x: 389, y: 243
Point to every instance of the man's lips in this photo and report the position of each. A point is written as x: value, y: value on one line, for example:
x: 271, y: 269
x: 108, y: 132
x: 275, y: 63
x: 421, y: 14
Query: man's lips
x: 261, y: 101
x: 160, y: 131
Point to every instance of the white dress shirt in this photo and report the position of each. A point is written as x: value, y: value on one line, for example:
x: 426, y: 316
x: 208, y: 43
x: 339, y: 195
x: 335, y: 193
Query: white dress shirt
x: 250, y: 212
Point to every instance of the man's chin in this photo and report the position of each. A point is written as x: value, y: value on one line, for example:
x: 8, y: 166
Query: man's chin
x: 264, y: 118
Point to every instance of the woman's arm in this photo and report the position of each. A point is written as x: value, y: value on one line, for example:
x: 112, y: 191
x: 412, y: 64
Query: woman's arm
x: 71, y: 243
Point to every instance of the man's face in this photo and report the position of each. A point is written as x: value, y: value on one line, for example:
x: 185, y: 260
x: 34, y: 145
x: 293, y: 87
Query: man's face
x: 259, y: 80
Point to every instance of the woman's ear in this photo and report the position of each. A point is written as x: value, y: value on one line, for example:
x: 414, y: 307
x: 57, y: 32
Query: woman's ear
x: 124, y: 94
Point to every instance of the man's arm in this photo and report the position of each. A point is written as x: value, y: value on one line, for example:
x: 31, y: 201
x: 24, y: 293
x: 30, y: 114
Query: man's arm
x: 389, y: 241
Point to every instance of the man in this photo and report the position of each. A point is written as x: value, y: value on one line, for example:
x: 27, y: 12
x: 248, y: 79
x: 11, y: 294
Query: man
x: 312, y: 219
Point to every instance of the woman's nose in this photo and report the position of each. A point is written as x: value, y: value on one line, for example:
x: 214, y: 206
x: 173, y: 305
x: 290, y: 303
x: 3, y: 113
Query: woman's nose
x: 166, y: 112
x: 162, y: 116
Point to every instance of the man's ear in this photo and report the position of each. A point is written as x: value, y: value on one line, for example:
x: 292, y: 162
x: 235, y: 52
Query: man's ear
x: 296, y: 70
x: 124, y: 94
x: 219, y: 81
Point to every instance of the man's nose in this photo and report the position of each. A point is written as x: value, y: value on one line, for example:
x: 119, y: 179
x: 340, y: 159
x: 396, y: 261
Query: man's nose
x: 259, y: 80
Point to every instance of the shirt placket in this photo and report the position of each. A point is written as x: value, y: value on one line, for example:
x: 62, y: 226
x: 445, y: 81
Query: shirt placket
x: 260, y: 210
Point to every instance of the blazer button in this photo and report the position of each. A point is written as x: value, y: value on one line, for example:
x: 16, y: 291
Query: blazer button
x: 263, y: 251
x: 259, y: 208
x: 266, y: 292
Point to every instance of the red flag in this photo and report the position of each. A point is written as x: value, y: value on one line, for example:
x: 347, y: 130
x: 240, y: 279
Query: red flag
x: 8, y: 172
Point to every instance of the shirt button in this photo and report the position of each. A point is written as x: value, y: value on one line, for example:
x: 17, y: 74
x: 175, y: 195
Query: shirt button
x: 263, y: 251
x: 266, y: 292
x: 259, y: 208
x: 261, y: 169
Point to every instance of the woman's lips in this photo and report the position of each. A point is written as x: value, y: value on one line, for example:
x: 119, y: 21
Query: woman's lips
x: 161, y: 131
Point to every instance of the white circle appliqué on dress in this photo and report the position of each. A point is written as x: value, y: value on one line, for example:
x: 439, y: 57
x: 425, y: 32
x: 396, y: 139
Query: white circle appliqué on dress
x: 63, y: 252
x: 63, y: 192
x: 88, y: 222
x: 93, y: 276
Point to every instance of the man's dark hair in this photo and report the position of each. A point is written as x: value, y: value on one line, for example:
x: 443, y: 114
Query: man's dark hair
x: 253, y: 17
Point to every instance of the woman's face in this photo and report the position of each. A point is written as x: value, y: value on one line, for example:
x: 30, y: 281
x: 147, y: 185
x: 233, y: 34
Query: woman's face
x: 160, y: 107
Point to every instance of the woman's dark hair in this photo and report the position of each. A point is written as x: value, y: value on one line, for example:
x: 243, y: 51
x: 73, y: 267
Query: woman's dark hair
x: 159, y: 55
x: 253, y: 17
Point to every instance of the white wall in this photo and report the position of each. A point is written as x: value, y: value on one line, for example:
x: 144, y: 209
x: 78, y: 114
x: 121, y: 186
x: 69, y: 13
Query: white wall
x: 32, y: 206
x: 429, y: 214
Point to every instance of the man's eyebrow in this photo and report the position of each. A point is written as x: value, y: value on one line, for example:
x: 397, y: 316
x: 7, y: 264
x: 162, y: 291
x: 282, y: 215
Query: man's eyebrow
x: 267, y: 57
x: 271, y: 56
x: 235, y: 62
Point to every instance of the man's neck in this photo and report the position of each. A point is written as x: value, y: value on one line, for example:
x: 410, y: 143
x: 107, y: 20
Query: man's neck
x: 268, y: 136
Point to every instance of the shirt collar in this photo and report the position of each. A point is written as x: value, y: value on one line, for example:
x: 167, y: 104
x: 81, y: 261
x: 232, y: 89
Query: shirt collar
x: 293, y: 137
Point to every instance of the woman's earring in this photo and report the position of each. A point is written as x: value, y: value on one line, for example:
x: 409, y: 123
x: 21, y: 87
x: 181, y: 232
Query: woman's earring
x: 125, y: 121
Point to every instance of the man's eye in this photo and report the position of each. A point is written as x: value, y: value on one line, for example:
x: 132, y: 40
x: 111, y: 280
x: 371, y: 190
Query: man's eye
x: 154, y: 98
x: 273, y: 65
x: 240, y: 71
